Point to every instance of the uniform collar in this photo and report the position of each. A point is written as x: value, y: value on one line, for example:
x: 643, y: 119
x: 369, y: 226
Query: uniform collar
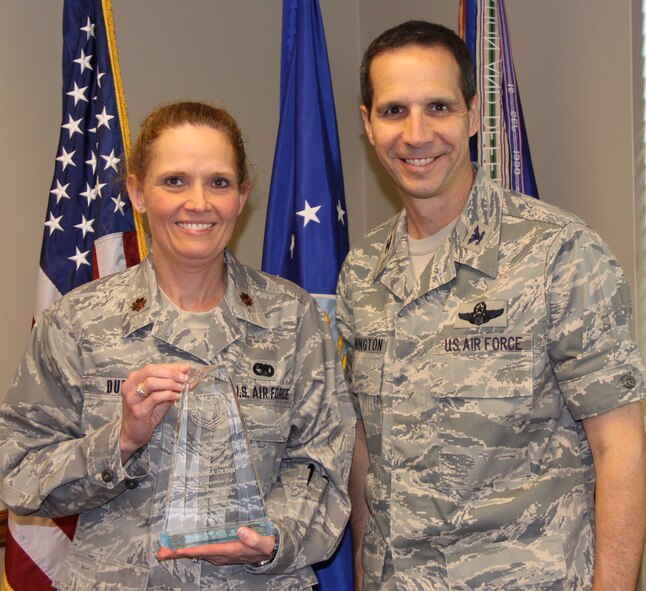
x: 476, y: 237
x: 392, y: 265
x: 145, y: 306
x: 241, y: 295
x: 474, y: 242
x: 142, y: 305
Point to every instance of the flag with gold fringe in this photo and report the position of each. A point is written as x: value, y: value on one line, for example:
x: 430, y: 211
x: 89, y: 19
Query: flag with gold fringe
x: 306, y: 233
x: 90, y: 231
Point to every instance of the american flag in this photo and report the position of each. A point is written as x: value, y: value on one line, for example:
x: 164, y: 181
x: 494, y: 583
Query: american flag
x: 90, y: 230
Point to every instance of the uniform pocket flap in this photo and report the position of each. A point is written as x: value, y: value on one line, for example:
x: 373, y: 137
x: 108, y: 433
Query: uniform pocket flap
x: 478, y: 366
x: 366, y: 373
x: 266, y: 422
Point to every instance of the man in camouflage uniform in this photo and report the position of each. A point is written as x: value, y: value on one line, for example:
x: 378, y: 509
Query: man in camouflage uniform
x: 493, y: 380
x: 59, y: 427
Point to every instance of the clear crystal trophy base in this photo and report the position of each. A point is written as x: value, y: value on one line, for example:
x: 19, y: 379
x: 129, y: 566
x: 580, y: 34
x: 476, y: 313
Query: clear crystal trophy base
x: 213, y: 536
x: 212, y: 488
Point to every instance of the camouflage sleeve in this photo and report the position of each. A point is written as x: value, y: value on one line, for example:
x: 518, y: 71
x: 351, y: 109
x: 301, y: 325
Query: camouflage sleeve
x: 48, y: 464
x: 345, y: 326
x: 309, y: 503
x: 594, y: 357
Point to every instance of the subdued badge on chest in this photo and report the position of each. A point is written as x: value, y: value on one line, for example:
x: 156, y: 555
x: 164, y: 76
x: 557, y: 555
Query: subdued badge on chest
x: 489, y: 313
x: 264, y: 366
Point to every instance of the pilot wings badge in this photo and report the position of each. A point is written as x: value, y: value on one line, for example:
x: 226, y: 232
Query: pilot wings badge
x: 483, y: 312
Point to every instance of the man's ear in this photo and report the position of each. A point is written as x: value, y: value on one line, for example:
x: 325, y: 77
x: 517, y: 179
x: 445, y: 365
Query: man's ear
x: 365, y: 115
x: 474, y: 115
x: 135, y: 194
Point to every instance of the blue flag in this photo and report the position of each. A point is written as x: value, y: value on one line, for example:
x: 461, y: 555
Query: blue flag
x: 501, y: 144
x: 306, y: 235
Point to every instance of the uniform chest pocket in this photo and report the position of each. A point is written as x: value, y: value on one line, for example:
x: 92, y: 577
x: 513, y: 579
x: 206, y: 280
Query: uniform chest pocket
x: 366, y: 384
x: 365, y: 376
x: 268, y: 422
x: 101, y: 401
x: 484, y: 400
x: 267, y: 425
x: 99, y: 410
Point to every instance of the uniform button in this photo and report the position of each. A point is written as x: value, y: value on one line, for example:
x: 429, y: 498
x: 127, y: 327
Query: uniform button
x: 130, y: 483
x: 107, y: 476
x: 628, y: 381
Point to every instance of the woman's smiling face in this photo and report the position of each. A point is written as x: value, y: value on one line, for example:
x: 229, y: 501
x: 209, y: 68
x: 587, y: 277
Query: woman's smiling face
x: 190, y: 194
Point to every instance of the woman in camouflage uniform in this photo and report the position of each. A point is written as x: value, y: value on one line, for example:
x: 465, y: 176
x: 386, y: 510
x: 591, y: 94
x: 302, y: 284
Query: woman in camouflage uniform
x: 88, y: 425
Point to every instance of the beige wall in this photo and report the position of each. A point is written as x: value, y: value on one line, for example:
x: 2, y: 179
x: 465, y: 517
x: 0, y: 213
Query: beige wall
x: 573, y: 61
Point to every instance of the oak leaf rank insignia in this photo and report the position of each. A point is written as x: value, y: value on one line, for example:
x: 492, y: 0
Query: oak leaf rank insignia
x: 138, y: 304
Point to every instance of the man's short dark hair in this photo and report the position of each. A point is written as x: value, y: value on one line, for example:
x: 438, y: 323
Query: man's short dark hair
x: 424, y: 34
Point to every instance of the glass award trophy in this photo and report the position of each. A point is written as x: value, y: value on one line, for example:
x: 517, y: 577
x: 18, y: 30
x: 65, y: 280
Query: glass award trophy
x: 213, y: 488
